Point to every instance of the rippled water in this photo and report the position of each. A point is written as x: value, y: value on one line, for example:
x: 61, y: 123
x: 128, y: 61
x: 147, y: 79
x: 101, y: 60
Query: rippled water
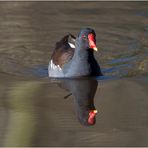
x: 37, y: 111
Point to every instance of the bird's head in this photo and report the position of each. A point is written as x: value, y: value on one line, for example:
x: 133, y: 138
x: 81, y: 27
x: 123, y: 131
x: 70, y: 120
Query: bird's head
x: 87, y: 39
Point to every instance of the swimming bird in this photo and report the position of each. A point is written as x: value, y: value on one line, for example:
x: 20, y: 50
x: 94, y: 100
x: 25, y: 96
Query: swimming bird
x: 74, y: 56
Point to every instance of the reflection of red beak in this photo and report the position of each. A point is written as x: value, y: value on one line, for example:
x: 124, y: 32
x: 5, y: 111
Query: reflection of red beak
x: 91, y: 118
x: 91, y: 39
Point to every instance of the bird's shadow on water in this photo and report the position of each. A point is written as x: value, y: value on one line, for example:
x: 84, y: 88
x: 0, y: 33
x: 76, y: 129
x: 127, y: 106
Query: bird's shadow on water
x: 83, y: 91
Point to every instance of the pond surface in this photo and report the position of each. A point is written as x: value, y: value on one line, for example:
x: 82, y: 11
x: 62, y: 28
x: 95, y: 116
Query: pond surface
x: 38, y: 111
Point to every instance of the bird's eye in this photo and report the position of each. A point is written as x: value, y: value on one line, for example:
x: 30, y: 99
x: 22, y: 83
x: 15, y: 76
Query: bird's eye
x: 84, y: 37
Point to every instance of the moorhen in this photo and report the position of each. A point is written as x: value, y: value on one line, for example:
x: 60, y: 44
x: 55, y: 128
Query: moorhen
x: 73, y: 57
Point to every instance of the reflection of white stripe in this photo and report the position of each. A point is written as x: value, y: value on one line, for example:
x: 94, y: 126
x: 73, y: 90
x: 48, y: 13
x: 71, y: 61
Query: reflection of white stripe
x: 55, y: 67
x: 71, y: 45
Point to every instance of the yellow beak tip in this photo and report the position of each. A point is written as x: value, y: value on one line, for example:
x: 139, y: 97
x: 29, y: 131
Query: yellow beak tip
x: 95, y: 111
x: 95, y: 48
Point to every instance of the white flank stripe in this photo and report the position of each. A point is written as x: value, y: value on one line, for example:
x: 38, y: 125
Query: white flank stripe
x: 71, y: 45
x: 55, y: 67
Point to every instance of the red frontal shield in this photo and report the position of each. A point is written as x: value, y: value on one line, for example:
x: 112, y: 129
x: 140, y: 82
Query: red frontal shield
x: 92, y: 44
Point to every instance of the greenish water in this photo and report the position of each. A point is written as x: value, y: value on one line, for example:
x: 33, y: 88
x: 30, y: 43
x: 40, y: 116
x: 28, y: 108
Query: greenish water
x: 38, y: 111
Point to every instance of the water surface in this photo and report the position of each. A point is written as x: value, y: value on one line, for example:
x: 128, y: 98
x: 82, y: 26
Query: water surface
x: 38, y: 111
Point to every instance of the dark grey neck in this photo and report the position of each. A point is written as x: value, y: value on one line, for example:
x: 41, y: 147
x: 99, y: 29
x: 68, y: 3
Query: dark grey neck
x: 81, y: 52
x: 79, y: 65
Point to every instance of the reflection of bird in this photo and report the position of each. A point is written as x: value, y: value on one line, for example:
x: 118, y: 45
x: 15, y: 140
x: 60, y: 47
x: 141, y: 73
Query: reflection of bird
x: 73, y: 57
x: 83, y: 91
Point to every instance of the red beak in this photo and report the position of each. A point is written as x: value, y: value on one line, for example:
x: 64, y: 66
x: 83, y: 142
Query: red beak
x: 92, y: 44
x: 91, y: 118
